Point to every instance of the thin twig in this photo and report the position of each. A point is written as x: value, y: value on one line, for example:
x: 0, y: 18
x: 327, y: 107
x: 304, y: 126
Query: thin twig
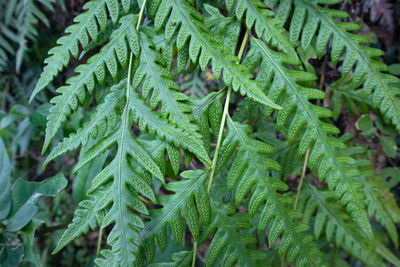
x: 99, y: 241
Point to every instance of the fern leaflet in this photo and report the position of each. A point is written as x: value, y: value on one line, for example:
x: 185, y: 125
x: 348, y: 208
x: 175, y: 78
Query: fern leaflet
x: 323, y: 157
x: 230, y: 239
x: 205, y: 47
x: 86, y: 25
x: 249, y: 172
x: 310, y: 19
x: 75, y: 90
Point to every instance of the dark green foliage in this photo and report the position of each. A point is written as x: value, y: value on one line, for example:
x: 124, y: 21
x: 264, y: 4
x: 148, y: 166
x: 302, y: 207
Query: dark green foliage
x: 176, y: 168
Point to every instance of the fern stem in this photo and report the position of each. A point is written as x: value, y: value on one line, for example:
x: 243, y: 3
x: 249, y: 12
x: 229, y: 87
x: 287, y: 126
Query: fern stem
x: 141, y: 15
x: 221, y: 131
x: 283, y: 261
x: 194, y: 253
x: 243, y: 45
x: 303, y: 173
x: 99, y: 241
x: 299, y: 187
x: 224, y: 115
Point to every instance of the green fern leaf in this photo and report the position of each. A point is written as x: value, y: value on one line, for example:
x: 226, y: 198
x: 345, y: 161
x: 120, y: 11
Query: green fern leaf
x: 206, y: 48
x: 92, y: 210
x: 336, y: 222
x: 249, y: 172
x: 143, y: 115
x: 341, y: 89
x: 158, y: 82
x: 124, y: 236
x: 127, y: 183
x: 106, y: 120
x: 379, y: 200
x: 323, y: 157
x: 143, y: 131
x: 381, y: 204
x: 191, y: 198
x: 265, y: 25
x: 311, y: 20
x: 230, y: 239
x: 86, y: 217
x: 207, y: 112
x: 226, y: 27
x: 158, y: 149
x: 18, y: 19
x: 27, y: 14
x: 75, y: 90
x: 86, y: 25
x: 103, y: 120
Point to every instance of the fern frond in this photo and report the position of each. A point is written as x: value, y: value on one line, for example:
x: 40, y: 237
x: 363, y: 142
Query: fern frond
x: 249, y: 172
x: 336, y: 222
x: 182, y: 259
x: 312, y: 21
x: 378, y: 198
x: 86, y: 217
x: 190, y: 198
x: 142, y: 128
x: 148, y: 119
x: 161, y: 44
x: 158, y: 149
x: 289, y: 161
x: 78, y: 87
x: 226, y: 27
x: 255, y: 13
x: 204, y: 47
x: 324, y: 158
x: 87, y: 25
x: 124, y: 184
x: 91, y: 211
x: 207, y: 112
x: 230, y: 242
x: 106, y: 119
x: 124, y: 237
x: 381, y: 203
x: 158, y: 81
x: 341, y: 89
x: 103, y: 120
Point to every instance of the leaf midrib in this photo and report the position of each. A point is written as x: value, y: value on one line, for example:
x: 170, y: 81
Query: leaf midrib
x: 271, y: 192
x: 350, y: 43
x: 319, y: 130
x: 80, y: 81
x: 171, y: 208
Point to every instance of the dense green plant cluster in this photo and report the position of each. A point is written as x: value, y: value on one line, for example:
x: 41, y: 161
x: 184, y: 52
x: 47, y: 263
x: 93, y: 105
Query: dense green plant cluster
x: 242, y: 139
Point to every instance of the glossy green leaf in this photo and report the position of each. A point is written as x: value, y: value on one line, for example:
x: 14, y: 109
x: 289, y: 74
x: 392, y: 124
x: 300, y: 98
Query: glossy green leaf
x: 25, y: 195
